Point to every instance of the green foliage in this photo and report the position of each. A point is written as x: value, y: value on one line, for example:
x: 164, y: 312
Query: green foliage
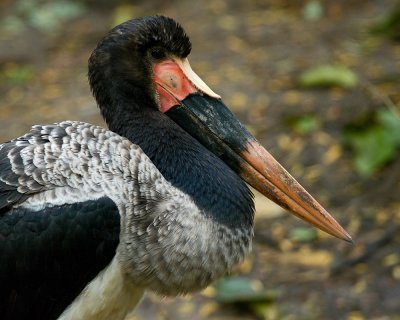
x: 47, y: 16
x: 17, y: 74
x: 392, y: 124
x: 389, y: 25
x: 241, y: 290
x: 248, y: 294
x: 374, y: 142
x: 303, y: 124
x: 328, y: 76
x: 313, y: 10
x: 302, y: 234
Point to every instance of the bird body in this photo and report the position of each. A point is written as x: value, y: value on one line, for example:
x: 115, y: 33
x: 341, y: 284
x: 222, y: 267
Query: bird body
x: 90, y: 218
x: 78, y: 162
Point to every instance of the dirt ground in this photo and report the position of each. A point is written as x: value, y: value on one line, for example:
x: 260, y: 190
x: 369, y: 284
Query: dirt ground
x: 251, y: 53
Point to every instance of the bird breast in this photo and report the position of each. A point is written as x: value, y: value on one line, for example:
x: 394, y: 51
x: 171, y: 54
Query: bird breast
x: 182, y: 249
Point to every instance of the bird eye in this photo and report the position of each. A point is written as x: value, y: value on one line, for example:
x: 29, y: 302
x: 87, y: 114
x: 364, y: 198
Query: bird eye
x: 157, y: 53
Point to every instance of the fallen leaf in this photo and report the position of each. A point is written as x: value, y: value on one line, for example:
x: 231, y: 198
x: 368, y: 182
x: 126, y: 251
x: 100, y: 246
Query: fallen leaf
x: 328, y: 76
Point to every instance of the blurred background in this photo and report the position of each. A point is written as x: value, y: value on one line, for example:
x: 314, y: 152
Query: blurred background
x: 318, y: 83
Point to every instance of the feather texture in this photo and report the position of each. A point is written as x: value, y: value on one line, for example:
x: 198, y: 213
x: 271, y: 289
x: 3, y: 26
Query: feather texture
x: 164, y: 241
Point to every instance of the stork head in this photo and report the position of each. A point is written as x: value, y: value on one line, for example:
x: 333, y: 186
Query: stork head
x: 147, y: 59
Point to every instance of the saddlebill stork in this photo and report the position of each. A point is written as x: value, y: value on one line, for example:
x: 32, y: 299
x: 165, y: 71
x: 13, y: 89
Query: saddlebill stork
x: 90, y: 218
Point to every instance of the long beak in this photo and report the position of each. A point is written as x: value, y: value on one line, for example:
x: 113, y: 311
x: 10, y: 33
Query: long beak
x: 187, y: 100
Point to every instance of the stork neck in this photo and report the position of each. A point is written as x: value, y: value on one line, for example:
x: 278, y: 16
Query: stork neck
x: 187, y: 164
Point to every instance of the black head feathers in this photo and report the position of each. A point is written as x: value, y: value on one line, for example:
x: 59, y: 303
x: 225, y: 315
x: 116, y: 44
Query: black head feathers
x: 147, y: 32
x: 120, y: 65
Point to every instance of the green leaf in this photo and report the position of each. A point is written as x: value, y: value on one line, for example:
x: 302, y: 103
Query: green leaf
x: 302, y: 234
x: 313, y: 10
x: 391, y: 122
x: 18, y: 74
x: 374, y: 140
x: 242, y: 290
x: 373, y: 148
x: 266, y: 311
x: 389, y: 25
x: 303, y: 124
x: 328, y: 76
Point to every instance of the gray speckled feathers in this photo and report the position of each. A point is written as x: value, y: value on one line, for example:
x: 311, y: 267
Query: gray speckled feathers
x: 53, y: 161
x: 166, y: 243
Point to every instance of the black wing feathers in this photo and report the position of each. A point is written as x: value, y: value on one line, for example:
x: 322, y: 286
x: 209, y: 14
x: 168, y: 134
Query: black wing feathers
x: 48, y: 257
